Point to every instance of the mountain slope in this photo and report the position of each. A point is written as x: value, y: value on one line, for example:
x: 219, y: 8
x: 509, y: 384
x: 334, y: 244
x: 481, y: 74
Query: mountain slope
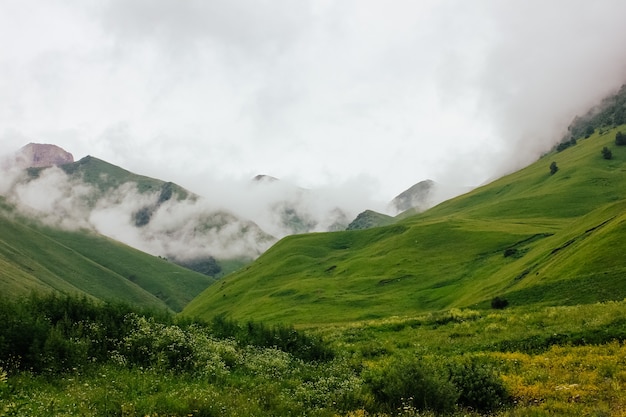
x: 531, y: 237
x: 37, y: 258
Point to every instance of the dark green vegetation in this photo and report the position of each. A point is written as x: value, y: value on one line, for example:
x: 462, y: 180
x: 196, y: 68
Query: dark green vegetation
x: 67, y: 356
x: 50, y: 344
x: 34, y: 257
x: 530, y: 237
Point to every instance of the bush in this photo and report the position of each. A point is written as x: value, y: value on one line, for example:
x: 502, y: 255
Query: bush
x: 553, y: 168
x: 499, y: 303
x: 285, y: 338
x: 479, y: 386
x: 606, y: 153
x: 54, y: 333
x: 566, y: 144
x: 620, y: 139
x: 413, y: 383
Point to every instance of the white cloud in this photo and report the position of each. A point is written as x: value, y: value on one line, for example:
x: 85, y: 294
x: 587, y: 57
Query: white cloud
x: 315, y: 92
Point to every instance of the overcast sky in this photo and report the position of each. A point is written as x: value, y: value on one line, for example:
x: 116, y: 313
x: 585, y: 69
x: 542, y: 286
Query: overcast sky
x: 322, y: 93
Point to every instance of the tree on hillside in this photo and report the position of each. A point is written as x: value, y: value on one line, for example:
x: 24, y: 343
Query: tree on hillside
x: 553, y: 168
x: 606, y: 153
x: 620, y: 139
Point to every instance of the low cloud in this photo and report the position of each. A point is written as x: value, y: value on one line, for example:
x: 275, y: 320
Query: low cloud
x: 179, y: 229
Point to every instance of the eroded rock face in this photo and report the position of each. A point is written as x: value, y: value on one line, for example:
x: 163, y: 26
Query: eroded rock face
x: 42, y: 155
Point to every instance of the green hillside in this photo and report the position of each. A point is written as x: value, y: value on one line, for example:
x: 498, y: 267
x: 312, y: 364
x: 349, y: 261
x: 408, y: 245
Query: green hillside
x: 105, y: 176
x: 369, y: 219
x: 36, y: 258
x: 532, y: 237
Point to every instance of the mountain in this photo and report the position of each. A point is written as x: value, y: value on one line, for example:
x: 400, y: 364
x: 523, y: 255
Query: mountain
x: 285, y: 209
x: 419, y: 196
x: 151, y: 215
x: 416, y: 199
x: 537, y: 236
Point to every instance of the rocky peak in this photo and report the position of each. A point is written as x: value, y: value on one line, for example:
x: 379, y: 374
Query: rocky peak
x: 42, y: 155
x: 418, y: 196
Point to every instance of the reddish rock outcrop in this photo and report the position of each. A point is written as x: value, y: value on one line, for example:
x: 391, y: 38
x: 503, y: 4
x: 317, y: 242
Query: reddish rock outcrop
x: 43, y: 155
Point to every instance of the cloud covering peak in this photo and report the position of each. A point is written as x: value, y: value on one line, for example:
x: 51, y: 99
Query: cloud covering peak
x: 315, y: 92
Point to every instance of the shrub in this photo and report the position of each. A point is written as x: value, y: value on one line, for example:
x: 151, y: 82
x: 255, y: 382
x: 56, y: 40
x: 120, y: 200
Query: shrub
x: 566, y: 144
x: 553, y: 168
x: 620, y: 139
x: 606, y: 153
x: 499, y: 303
x: 286, y: 338
x: 415, y: 383
x: 479, y: 386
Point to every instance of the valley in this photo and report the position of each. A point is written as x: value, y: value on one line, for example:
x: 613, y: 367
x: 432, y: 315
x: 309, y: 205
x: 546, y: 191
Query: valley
x: 508, y: 300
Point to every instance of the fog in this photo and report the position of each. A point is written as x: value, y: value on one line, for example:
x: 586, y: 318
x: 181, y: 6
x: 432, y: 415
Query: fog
x: 347, y: 103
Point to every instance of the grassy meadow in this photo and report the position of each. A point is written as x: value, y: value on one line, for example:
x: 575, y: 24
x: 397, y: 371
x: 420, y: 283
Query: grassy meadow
x: 525, y: 361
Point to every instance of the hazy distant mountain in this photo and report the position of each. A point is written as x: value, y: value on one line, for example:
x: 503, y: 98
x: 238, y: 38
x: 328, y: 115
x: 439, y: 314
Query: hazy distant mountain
x: 286, y: 209
x: 155, y: 216
x: 416, y: 199
x: 419, y: 196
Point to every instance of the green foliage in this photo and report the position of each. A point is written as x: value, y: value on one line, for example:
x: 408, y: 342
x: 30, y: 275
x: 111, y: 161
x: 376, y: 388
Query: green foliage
x: 435, y: 363
x: 620, y: 139
x: 56, y: 333
x: 413, y: 382
x: 478, y: 385
x: 286, y: 338
x: 606, y: 153
x: 553, y: 168
x: 499, y: 303
x: 128, y: 360
x: 566, y: 144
